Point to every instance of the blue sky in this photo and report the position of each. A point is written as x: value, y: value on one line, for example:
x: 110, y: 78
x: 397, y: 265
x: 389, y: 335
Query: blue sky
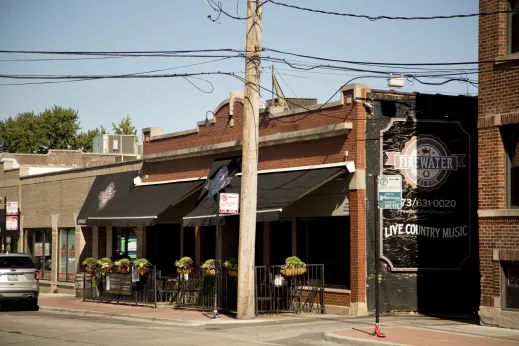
x: 174, y: 104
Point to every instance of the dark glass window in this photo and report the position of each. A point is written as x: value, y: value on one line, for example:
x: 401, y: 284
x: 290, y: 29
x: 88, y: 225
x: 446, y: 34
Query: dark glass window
x: 42, y: 251
x: 513, y: 26
x: 16, y: 262
x: 124, y: 243
x: 326, y: 241
x: 512, y: 147
x: 67, y: 255
x: 511, y: 271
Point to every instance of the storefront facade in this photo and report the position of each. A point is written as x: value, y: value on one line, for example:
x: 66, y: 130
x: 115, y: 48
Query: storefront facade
x: 49, y: 204
x: 316, y: 156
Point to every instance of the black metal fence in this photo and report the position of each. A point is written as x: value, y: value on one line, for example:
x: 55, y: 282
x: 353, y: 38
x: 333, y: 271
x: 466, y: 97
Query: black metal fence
x: 275, y: 290
x: 121, y: 288
x: 282, y: 291
x: 197, y: 289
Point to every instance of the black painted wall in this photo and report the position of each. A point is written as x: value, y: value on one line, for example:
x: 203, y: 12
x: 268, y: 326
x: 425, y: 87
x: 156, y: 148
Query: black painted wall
x: 452, y: 292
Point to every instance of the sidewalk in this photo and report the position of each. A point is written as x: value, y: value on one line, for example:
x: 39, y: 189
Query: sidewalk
x: 70, y: 304
x: 472, y: 335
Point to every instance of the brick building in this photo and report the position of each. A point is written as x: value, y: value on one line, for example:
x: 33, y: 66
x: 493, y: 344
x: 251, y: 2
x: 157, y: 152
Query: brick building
x: 332, y: 224
x: 498, y: 129
x: 50, y: 190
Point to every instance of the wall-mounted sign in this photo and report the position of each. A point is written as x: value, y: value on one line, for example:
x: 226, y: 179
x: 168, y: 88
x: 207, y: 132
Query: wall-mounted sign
x: 11, y: 208
x: 106, y: 195
x: 229, y: 203
x: 220, y: 180
x: 432, y: 229
x: 389, y: 189
x: 11, y: 223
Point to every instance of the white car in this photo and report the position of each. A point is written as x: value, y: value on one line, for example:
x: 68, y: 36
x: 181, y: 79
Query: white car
x: 18, y: 280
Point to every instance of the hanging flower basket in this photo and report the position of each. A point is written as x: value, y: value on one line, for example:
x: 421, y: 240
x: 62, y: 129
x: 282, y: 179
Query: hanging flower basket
x: 233, y: 273
x: 231, y: 266
x: 293, y: 266
x: 293, y: 271
x: 209, y: 267
x: 90, y: 265
x: 210, y: 272
x: 184, y: 265
x: 142, y: 266
x: 183, y: 271
x: 122, y: 266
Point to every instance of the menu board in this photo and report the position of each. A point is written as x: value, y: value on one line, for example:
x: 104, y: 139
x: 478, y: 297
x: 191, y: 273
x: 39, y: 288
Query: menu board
x: 119, y: 284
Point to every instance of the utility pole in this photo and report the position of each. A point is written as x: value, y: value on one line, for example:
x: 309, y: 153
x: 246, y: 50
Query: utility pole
x: 249, y: 182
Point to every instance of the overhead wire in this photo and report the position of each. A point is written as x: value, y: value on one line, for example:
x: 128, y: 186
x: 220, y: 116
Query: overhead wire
x: 375, y: 18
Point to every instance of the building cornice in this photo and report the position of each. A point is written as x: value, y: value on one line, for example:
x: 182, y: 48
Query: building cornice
x: 275, y: 139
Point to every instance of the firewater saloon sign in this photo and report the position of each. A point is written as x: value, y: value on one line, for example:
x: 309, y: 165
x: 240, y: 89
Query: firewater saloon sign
x: 431, y: 230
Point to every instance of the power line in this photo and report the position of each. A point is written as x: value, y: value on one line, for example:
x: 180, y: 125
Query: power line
x: 62, y: 59
x: 375, y: 18
x: 383, y: 63
x: 169, y: 52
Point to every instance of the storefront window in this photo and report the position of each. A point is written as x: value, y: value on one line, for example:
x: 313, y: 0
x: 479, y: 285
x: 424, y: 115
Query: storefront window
x: 42, y: 251
x: 125, y: 243
x: 326, y: 241
x: 67, y: 259
x: 511, y: 271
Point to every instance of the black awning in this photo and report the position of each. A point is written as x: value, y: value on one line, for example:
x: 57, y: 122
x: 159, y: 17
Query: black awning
x: 276, y: 190
x: 114, y: 200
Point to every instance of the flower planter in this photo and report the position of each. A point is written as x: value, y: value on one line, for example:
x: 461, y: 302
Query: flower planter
x: 233, y: 273
x: 210, y: 272
x: 183, y: 271
x: 293, y: 271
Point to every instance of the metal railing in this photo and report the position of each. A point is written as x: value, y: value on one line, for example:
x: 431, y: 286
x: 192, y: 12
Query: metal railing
x: 196, y: 290
x: 276, y: 292
x: 121, y: 288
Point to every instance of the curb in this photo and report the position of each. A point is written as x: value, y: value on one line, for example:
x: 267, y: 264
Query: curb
x: 118, y: 316
x: 348, y: 340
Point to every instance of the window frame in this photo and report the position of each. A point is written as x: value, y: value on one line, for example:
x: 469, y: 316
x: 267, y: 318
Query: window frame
x: 509, y: 28
x: 43, y: 234
x: 505, y: 267
x: 65, y: 232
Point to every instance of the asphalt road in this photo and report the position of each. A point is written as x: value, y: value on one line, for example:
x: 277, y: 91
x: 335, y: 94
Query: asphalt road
x: 23, y: 328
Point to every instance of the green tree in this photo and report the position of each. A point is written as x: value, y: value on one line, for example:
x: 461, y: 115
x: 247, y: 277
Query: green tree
x: 59, y: 127
x: 85, y: 140
x: 21, y: 134
x: 125, y: 127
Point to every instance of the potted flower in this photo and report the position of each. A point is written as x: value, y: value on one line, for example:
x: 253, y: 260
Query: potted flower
x: 90, y: 265
x: 184, y: 265
x: 232, y: 267
x: 122, y: 266
x: 142, y: 266
x: 105, y: 265
x: 209, y: 267
x: 293, y: 266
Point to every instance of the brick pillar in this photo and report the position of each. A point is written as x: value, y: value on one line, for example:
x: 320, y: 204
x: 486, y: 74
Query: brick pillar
x: 55, y: 253
x: 198, y: 246
x: 109, y: 241
x: 139, y: 233
x: 358, y: 252
x: 95, y: 242
x: 266, y: 243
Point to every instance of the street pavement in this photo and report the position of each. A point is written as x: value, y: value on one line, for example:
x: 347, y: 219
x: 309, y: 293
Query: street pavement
x: 58, y: 327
